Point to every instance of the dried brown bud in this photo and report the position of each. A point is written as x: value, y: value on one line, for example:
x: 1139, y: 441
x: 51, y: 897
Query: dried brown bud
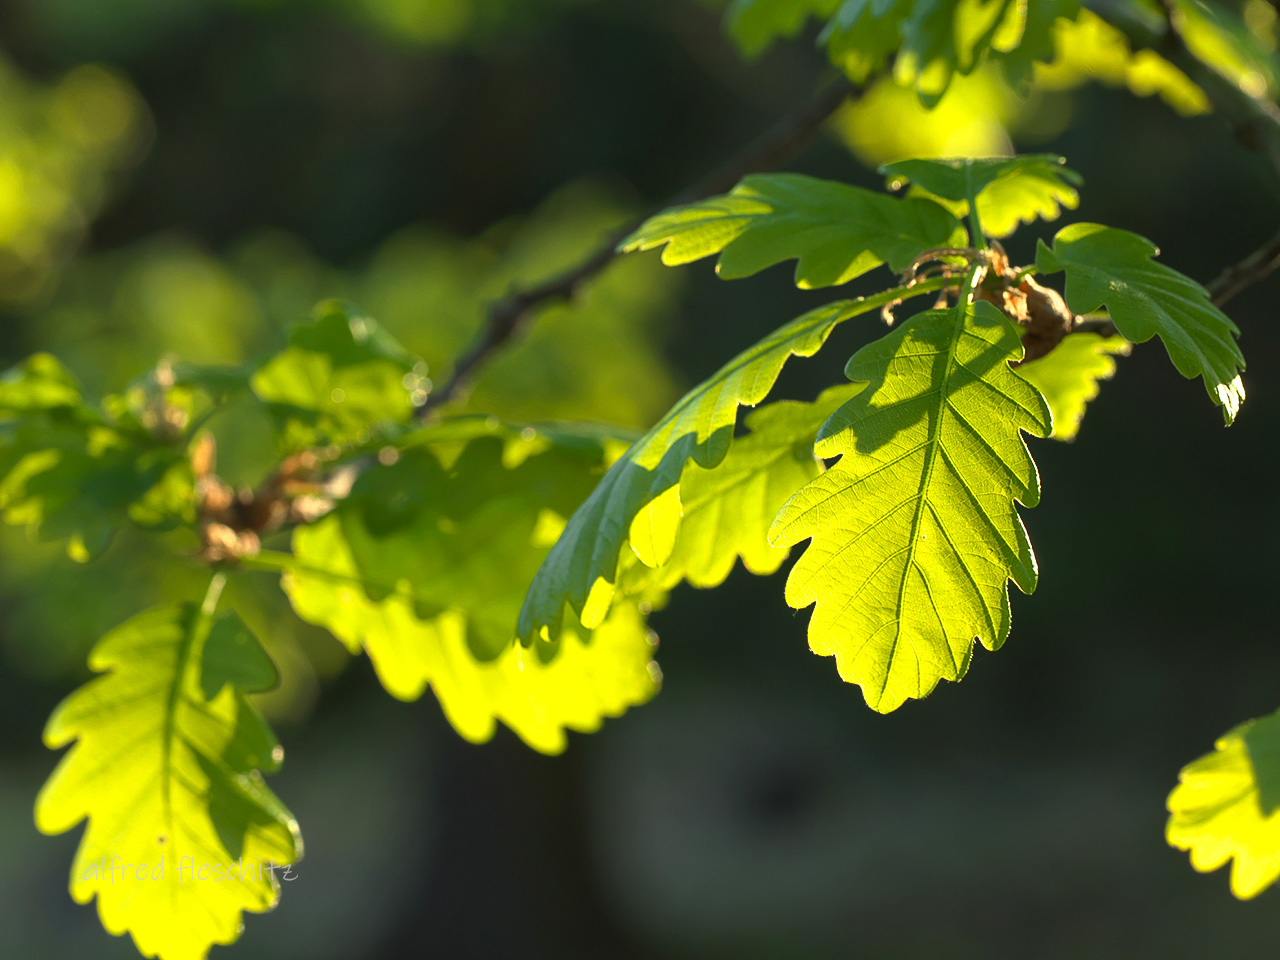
x: 220, y: 542
x: 1049, y: 319
x: 216, y: 500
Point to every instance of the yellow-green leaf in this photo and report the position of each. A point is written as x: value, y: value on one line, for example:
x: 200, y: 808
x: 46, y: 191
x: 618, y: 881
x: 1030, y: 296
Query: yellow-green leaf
x: 1068, y: 376
x: 538, y: 692
x: 1226, y: 807
x: 1010, y: 191
x: 183, y: 833
x: 582, y: 568
x: 728, y: 508
x: 425, y: 564
x: 914, y: 531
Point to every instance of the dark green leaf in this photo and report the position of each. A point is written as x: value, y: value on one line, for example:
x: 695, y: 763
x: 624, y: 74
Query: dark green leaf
x: 1113, y: 268
x: 837, y: 232
x: 754, y: 25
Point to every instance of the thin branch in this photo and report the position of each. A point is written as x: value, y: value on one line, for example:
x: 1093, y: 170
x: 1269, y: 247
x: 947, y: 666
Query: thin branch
x: 508, y: 317
x: 1246, y: 273
x: 777, y: 147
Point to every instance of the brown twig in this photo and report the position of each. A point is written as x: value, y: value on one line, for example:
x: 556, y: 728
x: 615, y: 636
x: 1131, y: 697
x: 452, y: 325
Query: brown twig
x: 1246, y: 273
x: 508, y: 317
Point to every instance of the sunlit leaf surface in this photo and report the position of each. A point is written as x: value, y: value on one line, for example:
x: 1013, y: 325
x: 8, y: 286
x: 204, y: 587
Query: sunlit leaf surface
x: 581, y: 569
x: 914, y: 531
x: 1068, y: 376
x: 1226, y: 807
x: 424, y: 567
x: 727, y: 509
x: 183, y: 833
x: 1010, y: 191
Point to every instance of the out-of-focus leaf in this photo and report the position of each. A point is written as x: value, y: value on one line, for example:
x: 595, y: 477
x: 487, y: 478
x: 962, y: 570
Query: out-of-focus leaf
x: 424, y: 567
x: 1086, y: 47
x: 183, y: 832
x: 1055, y: 44
x: 888, y: 122
x: 217, y: 381
x: 61, y: 146
x: 1218, y: 37
x: 598, y: 357
x: 38, y: 383
x: 69, y: 472
x: 949, y: 36
x: 340, y: 378
x: 1068, y: 376
x: 1111, y: 267
x: 1044, y: 20
x: 837, y: 232
x: 914, y: 533
x: 755, y: 25
x: 863, y: 35
x: 929, y: 43
x: 1226, y: 807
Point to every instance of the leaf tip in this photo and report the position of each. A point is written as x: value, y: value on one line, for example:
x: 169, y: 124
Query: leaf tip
x: 1230, y: 396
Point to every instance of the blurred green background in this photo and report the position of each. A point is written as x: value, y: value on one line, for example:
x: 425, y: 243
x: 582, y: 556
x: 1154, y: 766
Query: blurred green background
x: 188, y: 177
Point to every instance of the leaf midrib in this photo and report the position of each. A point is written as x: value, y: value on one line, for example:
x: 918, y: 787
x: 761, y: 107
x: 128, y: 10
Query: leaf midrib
x: 169, y: 733
x: 934, y: 444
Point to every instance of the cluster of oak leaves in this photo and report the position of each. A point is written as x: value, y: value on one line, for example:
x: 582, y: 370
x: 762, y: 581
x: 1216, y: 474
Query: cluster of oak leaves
x: 511, y: 567
x: 414, y: 541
